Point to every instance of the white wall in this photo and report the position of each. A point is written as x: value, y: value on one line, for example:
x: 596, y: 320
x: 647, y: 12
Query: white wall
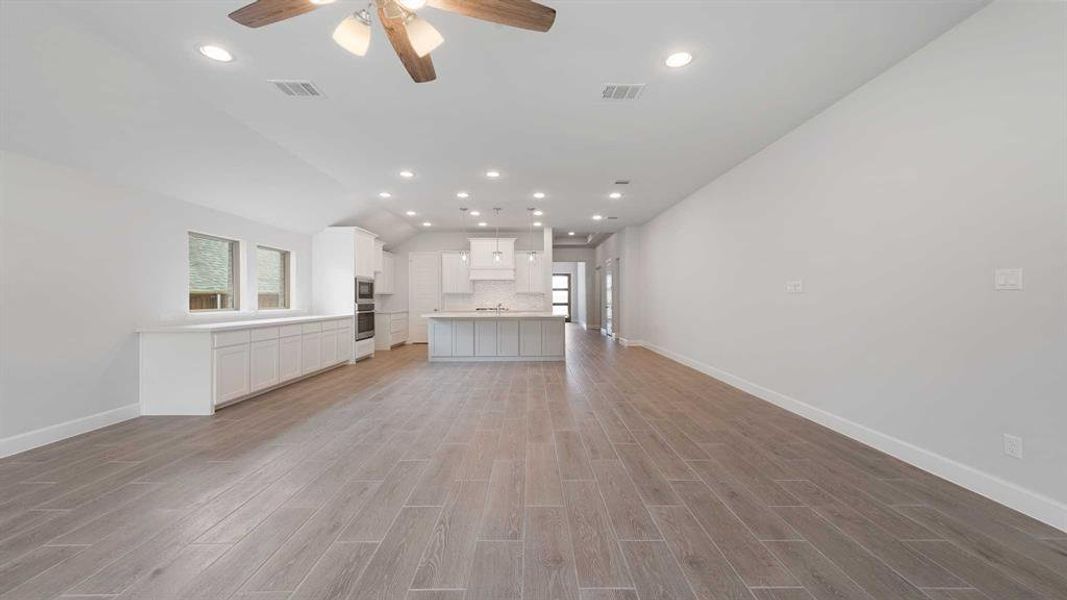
x: 624, y: 248
x: 894, y: 206
x: 83, y: 264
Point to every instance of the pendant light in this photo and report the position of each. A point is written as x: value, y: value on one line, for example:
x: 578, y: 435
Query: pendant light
x: 532, y: 254
x: 424, y: 37
x: 498, y: 256
x: 353, y: 34
x: 464, y: 254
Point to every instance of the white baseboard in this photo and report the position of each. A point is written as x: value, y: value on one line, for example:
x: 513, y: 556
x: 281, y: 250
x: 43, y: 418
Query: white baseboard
x: 629, y: 342
x: 61, y: 431
x: 1029, y: 502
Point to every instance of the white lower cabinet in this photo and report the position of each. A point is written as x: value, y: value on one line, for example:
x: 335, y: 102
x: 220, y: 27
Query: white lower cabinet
x: 328, y: 348
x: 485, y: 338
x: 530, y: 338
x: 310, y: 352
x: 390, y: 330
x: 507, y: 341
x: 231, y: 373
x: 289, y: 363
x: 463, y: 338
x: 552, y: 332
x: 264, y: 364
x: 345, y: 341
x: 442, y: 338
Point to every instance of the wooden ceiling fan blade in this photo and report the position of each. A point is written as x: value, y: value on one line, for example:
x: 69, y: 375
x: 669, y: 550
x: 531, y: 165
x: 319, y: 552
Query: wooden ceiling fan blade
x: 265, y: 12
x: 524, y: 14
x: 420, y: 69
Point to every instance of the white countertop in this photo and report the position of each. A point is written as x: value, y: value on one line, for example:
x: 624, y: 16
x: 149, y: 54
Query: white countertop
x: 490, y: 314
x: 234, y: 325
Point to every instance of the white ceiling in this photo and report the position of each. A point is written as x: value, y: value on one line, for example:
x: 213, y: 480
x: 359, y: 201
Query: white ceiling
x: 117, y: 87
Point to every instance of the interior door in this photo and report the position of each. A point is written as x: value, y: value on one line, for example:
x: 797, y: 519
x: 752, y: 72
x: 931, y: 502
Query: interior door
x: 611, y: 297
x: 424, y: 292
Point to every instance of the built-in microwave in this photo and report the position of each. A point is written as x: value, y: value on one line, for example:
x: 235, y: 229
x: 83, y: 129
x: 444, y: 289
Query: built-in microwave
x: 364, y: 290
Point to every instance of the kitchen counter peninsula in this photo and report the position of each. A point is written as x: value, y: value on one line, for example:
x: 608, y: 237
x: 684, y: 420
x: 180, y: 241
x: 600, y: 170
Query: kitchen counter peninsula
x: 495, y: 336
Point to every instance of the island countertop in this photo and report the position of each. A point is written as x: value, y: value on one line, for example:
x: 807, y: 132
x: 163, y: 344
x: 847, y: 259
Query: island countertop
x: 492, y: 314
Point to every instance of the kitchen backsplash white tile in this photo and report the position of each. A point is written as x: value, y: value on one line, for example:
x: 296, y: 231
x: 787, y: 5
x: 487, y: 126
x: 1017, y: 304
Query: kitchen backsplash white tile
x: 491, y: 293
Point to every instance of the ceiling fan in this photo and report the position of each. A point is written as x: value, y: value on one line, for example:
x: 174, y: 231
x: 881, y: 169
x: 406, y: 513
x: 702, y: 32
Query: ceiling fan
x: 412, y: 37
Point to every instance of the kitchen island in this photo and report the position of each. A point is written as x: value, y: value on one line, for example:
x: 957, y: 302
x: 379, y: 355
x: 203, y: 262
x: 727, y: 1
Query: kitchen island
x: 499, y: 336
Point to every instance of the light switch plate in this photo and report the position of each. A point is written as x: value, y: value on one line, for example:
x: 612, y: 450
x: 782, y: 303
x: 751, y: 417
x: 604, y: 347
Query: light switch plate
x: 794, y: 287
x: 1008, y: 279
x: 1013, y: 445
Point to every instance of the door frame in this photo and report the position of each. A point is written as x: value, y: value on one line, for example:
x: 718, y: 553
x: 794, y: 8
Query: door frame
x: 570, y: 293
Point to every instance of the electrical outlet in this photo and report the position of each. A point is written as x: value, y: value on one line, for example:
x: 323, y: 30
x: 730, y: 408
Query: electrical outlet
x: 1013, y: 446
x: 794, y: 287
x: 1008, y: 279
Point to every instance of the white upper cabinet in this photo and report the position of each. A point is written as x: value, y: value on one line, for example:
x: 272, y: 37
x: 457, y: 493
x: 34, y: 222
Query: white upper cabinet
x: 385, y: 281
x: 379, y: 249
x: 484, y: 259
x: 367, y: 249
x: 455, y: 274
x: 530, y: 273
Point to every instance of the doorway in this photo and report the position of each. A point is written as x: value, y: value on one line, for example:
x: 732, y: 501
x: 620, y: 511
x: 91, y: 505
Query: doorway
x: 561, y: 295
x: 424, y: 292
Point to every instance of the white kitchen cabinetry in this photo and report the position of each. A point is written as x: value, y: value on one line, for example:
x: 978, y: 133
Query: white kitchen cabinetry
x: 455, y: 274
x: 379, y: 249
x: 483, y: 263
x: 456, y: 337
x: 366, y: 249
x: 385, y: 281
x: 390, y: 330
x: 231, y: 373
x: 530, y: 274
x: 189, y: 370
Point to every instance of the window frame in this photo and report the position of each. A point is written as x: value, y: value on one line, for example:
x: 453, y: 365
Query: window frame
x: 287, y: 274
x: 235, y: 270
x: 566, y: 289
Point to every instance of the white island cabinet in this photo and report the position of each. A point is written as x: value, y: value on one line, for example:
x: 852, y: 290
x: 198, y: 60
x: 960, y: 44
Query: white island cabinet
x: 193, y: 369
x: 495, y: 336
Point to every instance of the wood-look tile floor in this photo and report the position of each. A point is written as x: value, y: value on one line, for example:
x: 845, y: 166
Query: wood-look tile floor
x: 619, y: 475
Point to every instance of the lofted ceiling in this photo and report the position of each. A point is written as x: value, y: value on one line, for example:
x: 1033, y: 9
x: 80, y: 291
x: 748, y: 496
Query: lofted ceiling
x: 117, y: 87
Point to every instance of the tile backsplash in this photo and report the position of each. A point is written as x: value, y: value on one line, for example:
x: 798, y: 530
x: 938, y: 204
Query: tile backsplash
x: 491, y: 293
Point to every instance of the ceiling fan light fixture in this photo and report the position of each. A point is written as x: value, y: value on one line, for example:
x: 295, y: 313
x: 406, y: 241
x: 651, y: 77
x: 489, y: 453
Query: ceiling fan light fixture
x: 412, y: 4
x: 424, y: 37
x: 353, y: 33
x: 321, y: 2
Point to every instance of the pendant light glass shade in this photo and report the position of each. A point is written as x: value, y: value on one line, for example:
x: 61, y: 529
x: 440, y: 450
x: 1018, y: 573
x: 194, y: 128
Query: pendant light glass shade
x: 423, y: 37
x: 353, y: 34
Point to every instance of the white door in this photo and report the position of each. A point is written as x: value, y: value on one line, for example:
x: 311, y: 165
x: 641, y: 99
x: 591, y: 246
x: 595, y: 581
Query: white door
x: 424, y: 292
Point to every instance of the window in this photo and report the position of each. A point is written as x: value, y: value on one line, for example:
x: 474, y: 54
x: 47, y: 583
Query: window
x: 272, y: 277
x: 561, y: 295
x: 212, y: 273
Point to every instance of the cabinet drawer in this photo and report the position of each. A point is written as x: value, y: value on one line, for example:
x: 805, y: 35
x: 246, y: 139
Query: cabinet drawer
x: 231, y: 338
x: 266, y: 333
x: 311, y: 327
x: 398, y: 325
x: 289, y: 330
x: 344, y: 323
x: 329, y: 325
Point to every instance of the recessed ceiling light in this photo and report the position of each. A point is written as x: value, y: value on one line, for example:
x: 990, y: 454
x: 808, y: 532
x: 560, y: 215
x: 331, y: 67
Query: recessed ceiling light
x: 475, y: 213
x: 539, y: 195
x: 462, y: 195
x: 598, y: 217
x: 482, y: 224
x: 216, y: 53
x: 407, y: 174
x: 570, y: 233
x: 615, y: 195
x: 679, y: 59
x: 384, y: 195
x: 492, y: 174
x: 411, y: 213
x: 537, y: 223
x: 426, y: 223
x: 538, y: 213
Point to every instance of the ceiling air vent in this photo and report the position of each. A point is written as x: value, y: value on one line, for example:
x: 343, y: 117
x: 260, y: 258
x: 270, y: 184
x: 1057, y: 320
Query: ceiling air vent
x: 622, y: 182
x: 302, y: 89
x: 622, y: 91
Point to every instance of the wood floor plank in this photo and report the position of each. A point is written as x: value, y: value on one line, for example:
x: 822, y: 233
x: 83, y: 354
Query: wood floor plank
x: 393, y: 565
x: 596, y: 441
x: 504, y: 512
x: 439, y: 476
x: 496, y: 572
x: 447, y: 560
x: 548, y: 558
x: 606, y: 594
x: 781, y: 594
x: 543, y: 485
x: 165, y: 582
x: 708, y: 571
x: 663, y: 456
x: 32, y: 564
x: 335, y: 575
x: 819, y: 576
x: 629, y: 517
x: 974, y: 570
x: 374, y: 518
x: 653, y: 487
x: 763, y: 523
x: 597, y: 556
x: 573, y: 457
x: 655, y: 572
